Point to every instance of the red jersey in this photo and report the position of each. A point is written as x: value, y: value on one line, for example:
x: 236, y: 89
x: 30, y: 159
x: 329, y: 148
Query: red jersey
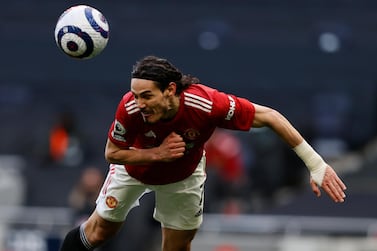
x: 200, y: 111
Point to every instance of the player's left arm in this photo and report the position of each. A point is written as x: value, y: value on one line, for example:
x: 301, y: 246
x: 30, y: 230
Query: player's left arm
x: 322, y: 174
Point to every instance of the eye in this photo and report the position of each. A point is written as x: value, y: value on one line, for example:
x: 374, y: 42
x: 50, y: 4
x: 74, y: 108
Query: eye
x: 143, y: 95
x: 146, y: 96
x: 135, y: 97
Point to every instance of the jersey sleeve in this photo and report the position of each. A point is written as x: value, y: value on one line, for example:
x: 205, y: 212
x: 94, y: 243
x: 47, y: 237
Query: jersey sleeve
x: 233, y: 112
x: 119, y: 132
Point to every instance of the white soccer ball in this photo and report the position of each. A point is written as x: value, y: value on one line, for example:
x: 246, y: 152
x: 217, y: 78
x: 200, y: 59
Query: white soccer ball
x: 82, y: 32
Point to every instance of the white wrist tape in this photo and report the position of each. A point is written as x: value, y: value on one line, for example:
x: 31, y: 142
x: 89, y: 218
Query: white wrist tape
x: 314, y: 162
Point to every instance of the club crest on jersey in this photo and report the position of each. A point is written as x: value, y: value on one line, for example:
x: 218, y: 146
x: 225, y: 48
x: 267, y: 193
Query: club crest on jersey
x: 111, y: 202
x: 191, y: 134
x: 232, y: 108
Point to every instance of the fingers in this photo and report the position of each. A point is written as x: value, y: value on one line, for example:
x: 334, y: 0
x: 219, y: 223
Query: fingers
x: 172, y: 147
x: 336, y: 194
x: 333, y: 185
x: 176, y: 144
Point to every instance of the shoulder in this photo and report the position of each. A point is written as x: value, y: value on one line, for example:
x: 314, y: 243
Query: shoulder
x: 208, y: 95
x: 199, y: 96
x: 208, y: 100
x: 128, y: 103
x: 201, y: 90
x: 204, y: 93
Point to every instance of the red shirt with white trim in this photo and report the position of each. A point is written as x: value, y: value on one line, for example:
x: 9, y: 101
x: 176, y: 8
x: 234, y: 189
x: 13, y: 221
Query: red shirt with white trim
x: 201, y: 110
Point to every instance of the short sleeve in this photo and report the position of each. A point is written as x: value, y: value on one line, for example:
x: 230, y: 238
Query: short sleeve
x: 233, y: 112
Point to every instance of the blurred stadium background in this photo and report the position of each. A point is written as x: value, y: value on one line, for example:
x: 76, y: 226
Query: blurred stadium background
x: 313, y: 60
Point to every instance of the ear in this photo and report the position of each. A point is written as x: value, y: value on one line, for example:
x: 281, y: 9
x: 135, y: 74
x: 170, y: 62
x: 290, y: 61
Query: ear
x: 171, y: 89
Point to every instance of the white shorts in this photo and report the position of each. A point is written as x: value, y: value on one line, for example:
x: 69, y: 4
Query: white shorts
x: 178, y: 205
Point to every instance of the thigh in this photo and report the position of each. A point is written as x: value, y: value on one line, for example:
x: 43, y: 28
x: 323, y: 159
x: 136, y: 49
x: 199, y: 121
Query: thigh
x: 179, y: 205
x: 119, y: 194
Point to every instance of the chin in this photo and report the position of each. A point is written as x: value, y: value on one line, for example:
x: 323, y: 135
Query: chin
x: 151, y: 120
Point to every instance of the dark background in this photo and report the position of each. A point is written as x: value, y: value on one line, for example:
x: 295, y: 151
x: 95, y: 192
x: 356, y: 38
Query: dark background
x: 267, y: 51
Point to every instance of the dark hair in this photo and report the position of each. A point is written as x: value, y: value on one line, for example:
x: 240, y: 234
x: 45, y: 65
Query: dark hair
x: 162, y: 72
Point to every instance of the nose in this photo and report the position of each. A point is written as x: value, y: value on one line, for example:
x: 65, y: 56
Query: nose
x: 140, y: 104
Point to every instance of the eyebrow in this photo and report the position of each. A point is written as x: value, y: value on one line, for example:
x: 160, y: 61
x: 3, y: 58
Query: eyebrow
x: 142, y: 93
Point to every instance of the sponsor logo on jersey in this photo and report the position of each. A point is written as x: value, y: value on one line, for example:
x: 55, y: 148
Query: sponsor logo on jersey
x: 232, y: 108
x: 198, y: 102
x: 111, y: 202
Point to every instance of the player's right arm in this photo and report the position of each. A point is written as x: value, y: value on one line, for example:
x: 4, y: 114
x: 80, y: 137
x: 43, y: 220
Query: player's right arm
x: 171, y: 148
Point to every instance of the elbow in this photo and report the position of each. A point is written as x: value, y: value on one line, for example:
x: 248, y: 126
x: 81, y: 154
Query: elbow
x: 273, y: 116
x: 266, y: 117
x: 274, y: 119
x: 111, y: 157
x: 113, y: 160
x: 108, y: 156
x: 112, y: 153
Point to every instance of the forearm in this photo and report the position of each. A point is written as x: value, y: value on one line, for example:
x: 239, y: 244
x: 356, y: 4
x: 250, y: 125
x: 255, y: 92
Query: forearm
x: 132, y: 156
x: 171, y: 148
x: 267, y: 117
x: 282, y: 127
x: 313, y: 161
x: 117, y: 155
x: 285, y: 130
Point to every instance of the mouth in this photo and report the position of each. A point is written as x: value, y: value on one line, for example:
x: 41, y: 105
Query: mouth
x: 146, y: 113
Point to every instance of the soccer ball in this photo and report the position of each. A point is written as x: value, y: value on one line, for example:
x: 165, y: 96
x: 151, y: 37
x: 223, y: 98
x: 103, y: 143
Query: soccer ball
x: 82, y: 32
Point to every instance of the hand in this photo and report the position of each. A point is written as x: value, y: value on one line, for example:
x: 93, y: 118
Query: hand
x: 331, y: 184
x: 173, y: 147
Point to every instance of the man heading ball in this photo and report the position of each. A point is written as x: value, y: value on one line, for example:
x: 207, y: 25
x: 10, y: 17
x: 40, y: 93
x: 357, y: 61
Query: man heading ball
x: 156, y: 143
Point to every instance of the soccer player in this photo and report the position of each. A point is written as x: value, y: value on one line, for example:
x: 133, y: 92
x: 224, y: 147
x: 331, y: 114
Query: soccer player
x: 156, y: 143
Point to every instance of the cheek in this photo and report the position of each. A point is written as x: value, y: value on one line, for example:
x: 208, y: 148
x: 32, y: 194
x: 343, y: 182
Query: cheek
x: 156, y: 104
x: 159, y: 108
